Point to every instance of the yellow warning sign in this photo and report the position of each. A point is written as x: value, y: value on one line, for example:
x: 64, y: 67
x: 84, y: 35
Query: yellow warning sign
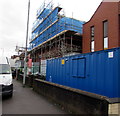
x: 62, y: 61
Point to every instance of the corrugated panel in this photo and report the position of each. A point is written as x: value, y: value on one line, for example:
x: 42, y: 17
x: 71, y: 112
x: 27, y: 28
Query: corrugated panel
x: 43, y: 67
x: 97, y: 72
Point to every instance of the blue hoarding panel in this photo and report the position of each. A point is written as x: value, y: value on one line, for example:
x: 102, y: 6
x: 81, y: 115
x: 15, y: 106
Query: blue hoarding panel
x: 97, y: 72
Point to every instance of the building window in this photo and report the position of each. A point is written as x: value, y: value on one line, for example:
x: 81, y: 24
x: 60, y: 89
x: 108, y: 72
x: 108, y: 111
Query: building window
x: 92, y: 39
x: 105, y: 34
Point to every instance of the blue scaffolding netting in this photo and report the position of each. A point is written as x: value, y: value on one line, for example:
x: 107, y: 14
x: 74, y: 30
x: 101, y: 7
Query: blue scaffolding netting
x: 50, y: 23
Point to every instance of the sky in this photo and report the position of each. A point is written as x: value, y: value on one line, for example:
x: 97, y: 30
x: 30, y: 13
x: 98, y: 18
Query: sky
x: 13, y: 19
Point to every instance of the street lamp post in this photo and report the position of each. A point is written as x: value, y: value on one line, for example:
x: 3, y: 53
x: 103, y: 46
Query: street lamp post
x: 25, y: 59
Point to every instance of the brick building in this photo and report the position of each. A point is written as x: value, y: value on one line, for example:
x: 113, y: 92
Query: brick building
x: 102, y: 31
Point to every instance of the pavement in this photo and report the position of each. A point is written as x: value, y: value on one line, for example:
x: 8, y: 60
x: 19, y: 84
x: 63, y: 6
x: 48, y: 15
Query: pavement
x: 26, y: 101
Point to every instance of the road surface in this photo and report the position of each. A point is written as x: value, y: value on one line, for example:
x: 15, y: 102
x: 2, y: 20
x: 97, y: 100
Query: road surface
x: 26, y: 101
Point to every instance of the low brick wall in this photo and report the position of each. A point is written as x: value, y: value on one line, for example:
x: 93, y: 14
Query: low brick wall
x: 28, y: 80
x: 77, y: 101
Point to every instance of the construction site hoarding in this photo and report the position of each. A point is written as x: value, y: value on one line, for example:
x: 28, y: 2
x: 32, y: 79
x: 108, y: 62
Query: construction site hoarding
x: 96, y: 72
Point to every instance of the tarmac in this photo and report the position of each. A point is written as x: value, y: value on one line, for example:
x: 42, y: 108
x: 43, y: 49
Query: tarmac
x: 26, y: 101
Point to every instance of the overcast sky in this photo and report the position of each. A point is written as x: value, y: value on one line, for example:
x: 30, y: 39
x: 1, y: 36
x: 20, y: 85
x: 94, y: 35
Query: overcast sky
x: 13, y: 19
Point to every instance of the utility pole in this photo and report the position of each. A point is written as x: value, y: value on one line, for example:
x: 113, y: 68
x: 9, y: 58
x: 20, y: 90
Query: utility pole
x: 25, y: 59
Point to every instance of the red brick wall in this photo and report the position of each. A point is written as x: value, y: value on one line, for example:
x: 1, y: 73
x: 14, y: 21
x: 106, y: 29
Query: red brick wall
x: 106, y: 11
x: 119, y: 23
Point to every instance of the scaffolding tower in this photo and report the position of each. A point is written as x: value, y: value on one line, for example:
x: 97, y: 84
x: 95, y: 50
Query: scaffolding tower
x: 54, y: 35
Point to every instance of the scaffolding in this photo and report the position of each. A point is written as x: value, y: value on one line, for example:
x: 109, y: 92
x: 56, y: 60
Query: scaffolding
x: 54, y: 35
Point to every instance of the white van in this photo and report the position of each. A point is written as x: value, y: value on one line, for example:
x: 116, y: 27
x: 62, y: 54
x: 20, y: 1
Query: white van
x: 6, y: 84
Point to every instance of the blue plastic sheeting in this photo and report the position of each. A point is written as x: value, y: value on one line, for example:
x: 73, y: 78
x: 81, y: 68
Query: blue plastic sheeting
x: 44, y: 13
x: 47, y: 18
x: 45, y: 32
x: 59, y: 26
x: 97, y: 72
x: 71, y: 24
x: 44, y: 10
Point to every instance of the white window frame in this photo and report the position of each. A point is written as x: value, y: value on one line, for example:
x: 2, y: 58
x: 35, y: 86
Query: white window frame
x: 92, y: 39
x: 105, y: 35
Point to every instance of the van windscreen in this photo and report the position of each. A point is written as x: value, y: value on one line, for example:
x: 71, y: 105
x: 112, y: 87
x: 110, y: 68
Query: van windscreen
x: 5, y: 69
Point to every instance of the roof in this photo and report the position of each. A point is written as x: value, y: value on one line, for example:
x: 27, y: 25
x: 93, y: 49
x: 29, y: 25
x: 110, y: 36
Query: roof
x: 94, y: 13
x: 99, y: 7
